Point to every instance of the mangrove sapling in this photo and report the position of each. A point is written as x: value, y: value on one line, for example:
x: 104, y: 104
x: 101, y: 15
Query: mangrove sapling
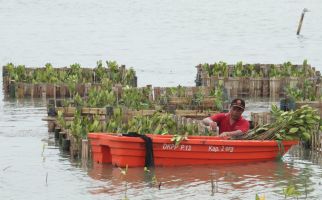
x: 273, y: 71
x: 75, y: 70
x: 87, y: 76
x: 62, y: 76
x: 286, y: 69
x: 207, y: 68
x: 294, y: 93
x: 114, y: 72
x: 29, y: 77
x: 248, y: 70
x: 135, y: 98
x: 307, y: 71
x: 262, y: 197
x: 42, y: 153
x: 10, y: 70
x: 50, y: 74
x: 214, y: 185
x: 72, y: 80
x: 100, y: 72
x: 129, y: 77
x: 291, y: 191
x: 21, y: 73
x: 218, y: 94
x: 183, y: 132
x: 177, y: 139
x: 77, y: 127
x: 180, y: 91
x: 238, y: 69
x: 106, y: 84
x: 60, y: 119
x: 309, y: 90
x: 152, y: 178
x: 124, y: 173
x: 219, y: 69
x: 78, y: 101
x: 114, y: 123
x: 94, y: 124
x: 198, y: 97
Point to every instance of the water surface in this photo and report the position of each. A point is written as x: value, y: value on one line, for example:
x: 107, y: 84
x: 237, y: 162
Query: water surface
x: 162, y: 40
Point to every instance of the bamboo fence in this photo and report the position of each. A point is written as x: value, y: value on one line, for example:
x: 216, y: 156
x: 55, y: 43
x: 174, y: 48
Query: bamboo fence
x: 253, y: 87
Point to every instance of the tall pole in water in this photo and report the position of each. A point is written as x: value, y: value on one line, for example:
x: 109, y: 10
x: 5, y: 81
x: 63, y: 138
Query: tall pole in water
x: 301, y: 21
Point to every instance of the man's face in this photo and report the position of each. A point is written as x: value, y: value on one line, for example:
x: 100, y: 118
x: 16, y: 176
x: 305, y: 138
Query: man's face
x: 236, y: 112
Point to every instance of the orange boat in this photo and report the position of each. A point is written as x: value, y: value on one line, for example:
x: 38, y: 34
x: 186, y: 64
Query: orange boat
x: 125, y: 151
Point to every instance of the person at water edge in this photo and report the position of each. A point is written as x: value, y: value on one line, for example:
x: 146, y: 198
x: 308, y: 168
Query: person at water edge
x: 230, y: 124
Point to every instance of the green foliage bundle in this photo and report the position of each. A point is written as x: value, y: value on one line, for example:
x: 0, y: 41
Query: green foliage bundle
x: 290, y: 125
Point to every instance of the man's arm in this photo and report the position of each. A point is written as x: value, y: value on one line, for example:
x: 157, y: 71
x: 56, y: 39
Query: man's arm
x: 231, y: 134
x: 209, y: 122
x: 243, y: 129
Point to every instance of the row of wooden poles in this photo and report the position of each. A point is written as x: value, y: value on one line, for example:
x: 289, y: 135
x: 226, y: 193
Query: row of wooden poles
x: 88, y: 72
x: 22, y: 90
x: 233, y: 87
x: 260, y: 87
x: 130, y: 113
x: 67, y: 142
x: 254, y: 87
x: 263, y: 69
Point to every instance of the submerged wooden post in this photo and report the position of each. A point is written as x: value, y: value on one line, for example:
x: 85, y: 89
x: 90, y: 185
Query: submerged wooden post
x: 85, y: 149
x: 301, y: 21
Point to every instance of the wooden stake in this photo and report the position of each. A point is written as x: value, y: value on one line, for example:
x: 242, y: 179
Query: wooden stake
x: 301, y: 21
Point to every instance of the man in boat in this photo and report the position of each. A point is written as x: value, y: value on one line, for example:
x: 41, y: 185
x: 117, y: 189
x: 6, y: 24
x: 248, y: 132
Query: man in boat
x: 230, y: 124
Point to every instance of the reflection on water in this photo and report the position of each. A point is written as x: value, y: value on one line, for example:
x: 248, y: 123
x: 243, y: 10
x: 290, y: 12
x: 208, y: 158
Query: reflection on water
x: 233, y: 181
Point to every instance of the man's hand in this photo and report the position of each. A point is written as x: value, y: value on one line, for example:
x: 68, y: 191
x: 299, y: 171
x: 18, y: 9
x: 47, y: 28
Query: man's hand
x: 213, y: 126
x: 208, y: 122
x: 225, y: 134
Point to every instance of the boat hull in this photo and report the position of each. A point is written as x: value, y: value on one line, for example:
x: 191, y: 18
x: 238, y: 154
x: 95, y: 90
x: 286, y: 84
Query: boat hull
x: 125, y: 151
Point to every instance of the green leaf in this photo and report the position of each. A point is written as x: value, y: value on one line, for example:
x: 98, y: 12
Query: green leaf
x: 306, y: 136
x: 310, y: 121
x: 294, y: 130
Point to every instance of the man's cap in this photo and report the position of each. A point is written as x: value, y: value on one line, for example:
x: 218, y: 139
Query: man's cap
x: 238, y: 103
